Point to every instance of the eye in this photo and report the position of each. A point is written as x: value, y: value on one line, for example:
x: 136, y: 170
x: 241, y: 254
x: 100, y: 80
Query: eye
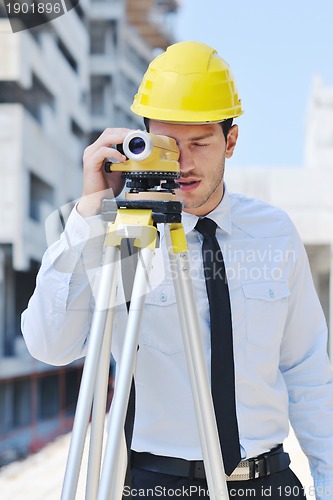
x: 200, y: 144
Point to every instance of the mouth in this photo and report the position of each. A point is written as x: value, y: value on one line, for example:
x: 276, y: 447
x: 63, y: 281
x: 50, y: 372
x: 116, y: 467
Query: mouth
x: 188, y: 185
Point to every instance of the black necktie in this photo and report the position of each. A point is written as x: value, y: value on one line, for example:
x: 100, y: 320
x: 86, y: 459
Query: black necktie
x: 222, y: 358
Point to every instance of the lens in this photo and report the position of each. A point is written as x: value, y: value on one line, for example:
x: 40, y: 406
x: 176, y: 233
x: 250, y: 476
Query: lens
x: 137, y: 145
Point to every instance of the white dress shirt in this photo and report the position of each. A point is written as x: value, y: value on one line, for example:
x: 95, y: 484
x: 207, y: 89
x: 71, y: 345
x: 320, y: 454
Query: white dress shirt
x: 282, y: 369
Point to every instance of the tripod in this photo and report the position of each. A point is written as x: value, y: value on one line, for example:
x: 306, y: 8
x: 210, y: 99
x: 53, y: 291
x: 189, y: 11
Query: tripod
x: 137, y: 219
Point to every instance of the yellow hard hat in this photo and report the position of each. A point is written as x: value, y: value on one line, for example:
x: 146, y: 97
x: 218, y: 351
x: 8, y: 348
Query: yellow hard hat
x: 188, y: 83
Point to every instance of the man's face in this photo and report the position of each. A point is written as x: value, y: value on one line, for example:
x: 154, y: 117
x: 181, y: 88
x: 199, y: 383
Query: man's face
x: 203, y: 150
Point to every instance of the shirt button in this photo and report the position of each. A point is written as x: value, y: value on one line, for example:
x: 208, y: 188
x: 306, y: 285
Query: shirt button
x: 163, y: 297
x: 271, y: 293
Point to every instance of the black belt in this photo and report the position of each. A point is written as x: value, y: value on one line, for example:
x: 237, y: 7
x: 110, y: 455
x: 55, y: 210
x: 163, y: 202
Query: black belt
x: 275, y: 460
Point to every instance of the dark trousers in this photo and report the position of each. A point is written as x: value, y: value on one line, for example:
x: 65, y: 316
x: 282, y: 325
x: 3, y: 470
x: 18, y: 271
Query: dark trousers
x: 153, y: 485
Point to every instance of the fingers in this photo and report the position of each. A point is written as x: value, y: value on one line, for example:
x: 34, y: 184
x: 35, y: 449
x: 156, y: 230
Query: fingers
x: 95, y: 154
x: 95, y: 180
x: 112, y: 136
x: 95, y: 158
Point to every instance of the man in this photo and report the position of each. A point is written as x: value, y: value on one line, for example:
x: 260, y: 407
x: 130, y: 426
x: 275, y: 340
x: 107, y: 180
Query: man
x: 279, y: 336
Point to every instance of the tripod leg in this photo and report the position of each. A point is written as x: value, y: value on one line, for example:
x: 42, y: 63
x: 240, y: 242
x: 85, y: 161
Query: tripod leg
x: 118, y: 485
x: 109, y: 484
x: 98, y: 415
x: 84, y: 404
x: 197, y: 372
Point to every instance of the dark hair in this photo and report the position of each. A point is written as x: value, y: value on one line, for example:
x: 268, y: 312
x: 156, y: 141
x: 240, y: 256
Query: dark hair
x: 226, y: 125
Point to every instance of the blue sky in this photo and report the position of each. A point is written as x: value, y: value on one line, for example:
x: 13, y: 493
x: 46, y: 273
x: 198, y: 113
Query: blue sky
x: 274, y: 48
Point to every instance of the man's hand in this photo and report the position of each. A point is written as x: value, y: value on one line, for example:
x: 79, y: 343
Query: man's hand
x: 95, y: 179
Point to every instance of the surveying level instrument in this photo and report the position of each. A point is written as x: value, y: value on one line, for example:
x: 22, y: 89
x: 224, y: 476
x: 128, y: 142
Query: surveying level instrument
x: 152, y: 161
x: 148, y: 203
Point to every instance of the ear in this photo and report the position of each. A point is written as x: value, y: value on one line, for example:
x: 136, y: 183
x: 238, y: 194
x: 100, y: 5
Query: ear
x: 231, y: 141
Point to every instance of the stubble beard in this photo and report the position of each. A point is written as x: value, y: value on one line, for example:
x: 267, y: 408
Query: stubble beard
x: 211, y: 189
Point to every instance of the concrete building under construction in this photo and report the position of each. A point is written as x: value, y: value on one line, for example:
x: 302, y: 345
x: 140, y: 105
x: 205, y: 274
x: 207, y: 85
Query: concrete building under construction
x: 61, y: 84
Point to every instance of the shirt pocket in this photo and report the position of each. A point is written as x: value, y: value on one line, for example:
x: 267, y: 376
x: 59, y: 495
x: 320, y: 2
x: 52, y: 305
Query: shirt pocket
x: 266, y: 311
x: 160, y: 326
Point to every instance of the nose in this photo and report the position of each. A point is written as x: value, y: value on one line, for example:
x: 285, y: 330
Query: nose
x: 185, y: 160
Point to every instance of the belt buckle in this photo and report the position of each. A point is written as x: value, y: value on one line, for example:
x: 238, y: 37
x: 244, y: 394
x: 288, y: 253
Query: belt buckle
x: 241, y: 472
x: 258, y: 467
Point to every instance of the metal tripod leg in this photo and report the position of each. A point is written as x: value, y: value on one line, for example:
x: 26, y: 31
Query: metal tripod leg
x: 84, y: 404
x: 197, y: 369
x: 98, y: 414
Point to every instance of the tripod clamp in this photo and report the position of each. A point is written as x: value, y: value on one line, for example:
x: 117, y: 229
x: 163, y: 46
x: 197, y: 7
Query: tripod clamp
x: 163, y: 211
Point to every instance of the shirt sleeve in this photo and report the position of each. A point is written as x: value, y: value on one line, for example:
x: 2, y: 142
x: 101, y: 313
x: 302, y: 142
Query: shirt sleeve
x: 56, y: 323
x: 308, y: 374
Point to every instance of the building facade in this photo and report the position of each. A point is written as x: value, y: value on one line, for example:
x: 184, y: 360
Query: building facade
x: 61, y: 85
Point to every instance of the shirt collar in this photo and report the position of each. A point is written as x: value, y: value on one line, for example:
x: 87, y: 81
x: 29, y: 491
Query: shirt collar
x: 221, y: 215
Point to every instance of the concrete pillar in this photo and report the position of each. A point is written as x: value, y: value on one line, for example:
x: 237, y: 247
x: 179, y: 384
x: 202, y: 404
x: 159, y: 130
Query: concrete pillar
x: 330, y: 325
x: 321, y: 262
x: 2, y: 300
